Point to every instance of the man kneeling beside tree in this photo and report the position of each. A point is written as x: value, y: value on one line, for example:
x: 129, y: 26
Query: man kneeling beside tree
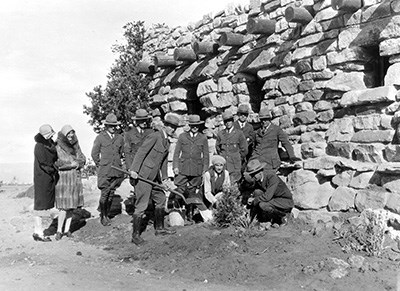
x: 271, y: 199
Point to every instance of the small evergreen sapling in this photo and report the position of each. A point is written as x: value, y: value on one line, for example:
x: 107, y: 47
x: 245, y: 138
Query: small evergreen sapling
x: 229, y: 209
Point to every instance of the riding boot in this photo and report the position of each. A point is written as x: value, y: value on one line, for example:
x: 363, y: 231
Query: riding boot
x: 159, y: 223
x: 108, y: 208
x: 136, y: 224
x: 103, y: 214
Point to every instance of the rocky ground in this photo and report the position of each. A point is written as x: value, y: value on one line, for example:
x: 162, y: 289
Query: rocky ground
x: 299, y: 256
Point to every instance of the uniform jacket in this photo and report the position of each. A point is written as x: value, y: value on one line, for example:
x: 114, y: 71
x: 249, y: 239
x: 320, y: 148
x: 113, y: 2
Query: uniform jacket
x: 266, y: 146
x: 45, y: 175
x: 133, y: 139
x: 233, y: 147
x: 151, y: 157
x: 273, y: 188
x: 107, y: 152
x: 191, y: 154
x: 248, y: 131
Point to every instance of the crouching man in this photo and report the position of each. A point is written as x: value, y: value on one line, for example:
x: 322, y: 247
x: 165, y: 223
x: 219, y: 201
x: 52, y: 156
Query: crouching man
x: 271, y: 199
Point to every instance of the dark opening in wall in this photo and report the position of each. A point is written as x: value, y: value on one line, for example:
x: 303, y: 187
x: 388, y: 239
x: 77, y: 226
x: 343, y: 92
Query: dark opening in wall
x: 256, y: 94
x: 193, y: 101
x: 378, y: 65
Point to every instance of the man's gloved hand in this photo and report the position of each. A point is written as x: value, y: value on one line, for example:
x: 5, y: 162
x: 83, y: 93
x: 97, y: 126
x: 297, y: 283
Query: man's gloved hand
x: 247, y: 177
x: 168, y: 184
x: 134, y: 175
x: 250, y: 201
x: 176, y: 171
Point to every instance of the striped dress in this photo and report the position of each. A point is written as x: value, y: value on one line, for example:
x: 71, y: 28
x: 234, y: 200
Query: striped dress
x: 69, y: 189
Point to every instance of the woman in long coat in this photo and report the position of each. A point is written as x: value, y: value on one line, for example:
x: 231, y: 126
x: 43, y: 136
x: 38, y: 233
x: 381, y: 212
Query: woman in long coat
x: 45, y: 177
x: 69, y: 189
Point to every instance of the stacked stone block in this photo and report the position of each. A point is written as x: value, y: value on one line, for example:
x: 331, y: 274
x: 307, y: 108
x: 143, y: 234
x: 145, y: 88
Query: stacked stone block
x: 318, y: 78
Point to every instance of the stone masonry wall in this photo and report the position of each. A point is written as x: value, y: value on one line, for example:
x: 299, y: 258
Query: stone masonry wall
x: 331, y: 83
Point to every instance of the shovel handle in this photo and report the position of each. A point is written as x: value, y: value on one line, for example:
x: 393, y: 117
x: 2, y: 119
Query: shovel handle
x: 150, y: 182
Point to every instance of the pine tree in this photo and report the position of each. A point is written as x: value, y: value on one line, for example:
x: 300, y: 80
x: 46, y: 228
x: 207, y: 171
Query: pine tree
x: 229, y: 209
x: 126, y: 90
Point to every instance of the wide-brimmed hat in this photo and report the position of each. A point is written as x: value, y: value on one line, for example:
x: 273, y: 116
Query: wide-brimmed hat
x: 254, y: 166
x: 227, y: 115
x: 243, y: 109
x: 46, y: 131
x: 264, y: 114
x: 66, y: 129
x: 217, y: 159
x: 141, y: 114
x: 111, y: 119
x: 172, y: 120
x: 194, y: 119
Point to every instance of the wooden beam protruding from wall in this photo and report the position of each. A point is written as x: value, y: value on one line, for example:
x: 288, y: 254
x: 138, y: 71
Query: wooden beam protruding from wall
x: 231, y: 39
x: 347, y: 5
x: 164, y: 61
x: 146, y: 67
x: 298, y: 15
x: 185, y: 55
x: 261, y: 26
x: 205, y: 48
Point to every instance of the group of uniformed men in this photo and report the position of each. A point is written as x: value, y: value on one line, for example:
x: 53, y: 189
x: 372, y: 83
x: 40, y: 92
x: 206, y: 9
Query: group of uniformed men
x: 244, y: 156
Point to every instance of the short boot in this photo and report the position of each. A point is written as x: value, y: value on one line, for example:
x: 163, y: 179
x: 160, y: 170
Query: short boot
x: 159, y: 223
x: 136, y: 224
x: 103, y: 214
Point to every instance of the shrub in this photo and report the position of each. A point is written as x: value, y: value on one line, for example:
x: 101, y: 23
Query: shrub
x: 229, y: 209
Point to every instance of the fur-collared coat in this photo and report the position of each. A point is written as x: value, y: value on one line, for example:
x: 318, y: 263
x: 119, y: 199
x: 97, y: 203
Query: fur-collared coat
x: 69, y: 189
x: 45, y: 175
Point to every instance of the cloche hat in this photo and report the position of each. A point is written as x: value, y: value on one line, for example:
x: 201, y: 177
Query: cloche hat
x: 66, y: 129
x: 46, y: 131
x: 217, y: 159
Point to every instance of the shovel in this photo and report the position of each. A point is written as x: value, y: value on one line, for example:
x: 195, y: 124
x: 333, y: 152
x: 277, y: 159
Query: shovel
x: 151, y: 183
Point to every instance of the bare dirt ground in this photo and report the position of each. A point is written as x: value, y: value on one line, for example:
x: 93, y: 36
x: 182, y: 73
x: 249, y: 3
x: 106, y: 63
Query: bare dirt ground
x: 199, y: 257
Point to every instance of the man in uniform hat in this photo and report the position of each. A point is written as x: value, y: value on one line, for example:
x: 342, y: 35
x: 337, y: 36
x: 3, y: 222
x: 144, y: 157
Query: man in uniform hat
x: 232, y: 145
x: 271, y: 199
x: 150, y: 162
x: 135, y: 136
x: 107, y: 151
x: 247, y: 128
x: 191, y: 159
x: 267, y: 141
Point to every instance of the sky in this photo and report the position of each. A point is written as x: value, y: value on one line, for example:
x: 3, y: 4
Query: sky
x: 53, y: 52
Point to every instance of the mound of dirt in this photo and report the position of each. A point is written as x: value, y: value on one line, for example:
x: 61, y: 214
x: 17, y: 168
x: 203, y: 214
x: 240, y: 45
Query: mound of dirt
x: 292, y: 257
